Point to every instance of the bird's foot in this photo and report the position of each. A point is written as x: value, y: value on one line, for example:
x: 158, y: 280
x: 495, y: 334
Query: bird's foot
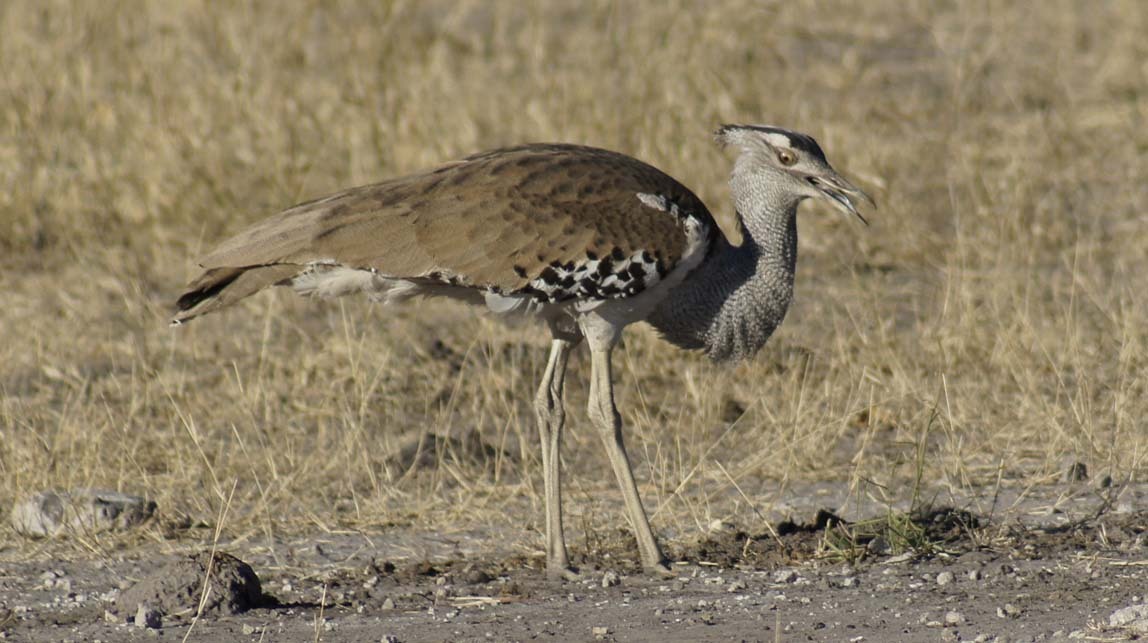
x: 660, y: 569
x: 562, y: 571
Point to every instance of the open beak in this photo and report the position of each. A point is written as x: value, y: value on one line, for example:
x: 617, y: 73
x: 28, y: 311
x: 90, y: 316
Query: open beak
x: 842, y: 193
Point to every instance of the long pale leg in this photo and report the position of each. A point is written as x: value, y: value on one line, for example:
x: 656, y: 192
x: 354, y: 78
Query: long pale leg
x: 605, y: 416
x: 551, y: 416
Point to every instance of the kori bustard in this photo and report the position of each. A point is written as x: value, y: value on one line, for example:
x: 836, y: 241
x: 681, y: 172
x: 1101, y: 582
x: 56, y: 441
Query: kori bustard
x: 584, y: 239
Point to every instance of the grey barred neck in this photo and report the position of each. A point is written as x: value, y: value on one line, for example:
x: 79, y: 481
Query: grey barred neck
x: 732, y: 303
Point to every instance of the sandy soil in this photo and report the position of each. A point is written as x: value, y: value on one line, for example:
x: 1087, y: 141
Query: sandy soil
x: 1054, y: 565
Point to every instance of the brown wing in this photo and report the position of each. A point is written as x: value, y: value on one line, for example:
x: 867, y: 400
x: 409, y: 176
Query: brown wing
x: 494, y: 220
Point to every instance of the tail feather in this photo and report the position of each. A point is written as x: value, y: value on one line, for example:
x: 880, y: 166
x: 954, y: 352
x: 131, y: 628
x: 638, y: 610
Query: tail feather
x: 221, y: 287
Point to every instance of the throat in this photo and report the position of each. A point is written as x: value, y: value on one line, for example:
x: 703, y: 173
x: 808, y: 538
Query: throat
x: 731, y: 304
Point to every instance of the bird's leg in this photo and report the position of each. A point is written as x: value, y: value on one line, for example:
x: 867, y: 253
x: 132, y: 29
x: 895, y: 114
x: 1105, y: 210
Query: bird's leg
x: 551, y: 416
x: 605, y: 416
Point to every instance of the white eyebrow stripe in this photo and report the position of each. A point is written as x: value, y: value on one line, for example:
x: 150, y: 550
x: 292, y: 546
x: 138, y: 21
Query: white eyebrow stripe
x: 778, y: 140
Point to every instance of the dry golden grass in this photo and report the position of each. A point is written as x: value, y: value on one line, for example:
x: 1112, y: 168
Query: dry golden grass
x: 988, y: 327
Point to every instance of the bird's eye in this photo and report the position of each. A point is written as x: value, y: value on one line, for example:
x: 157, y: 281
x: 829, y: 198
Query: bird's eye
x: 786, y: 157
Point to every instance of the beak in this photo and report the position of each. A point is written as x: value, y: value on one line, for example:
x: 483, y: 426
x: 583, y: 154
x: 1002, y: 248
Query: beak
x: 841, y: 193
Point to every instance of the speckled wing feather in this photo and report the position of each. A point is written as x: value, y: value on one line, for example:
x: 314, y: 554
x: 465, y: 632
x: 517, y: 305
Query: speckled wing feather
x: 497, y: 220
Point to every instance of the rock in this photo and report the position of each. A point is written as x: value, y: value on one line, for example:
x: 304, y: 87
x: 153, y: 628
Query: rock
x: 1133, y: 618
x: 1075, y: 472
x: 81, y: 511
x: 388, y: 604
x: 945, y: 578
x: 474, y: 577
x: 177, y: 589
x: 1008, y: 611
x: 600, y: 631
x: 149, y: 617
x: 954, y: 617
x: 718, y: 526
x: 785, y: 576
x: 610, y: 579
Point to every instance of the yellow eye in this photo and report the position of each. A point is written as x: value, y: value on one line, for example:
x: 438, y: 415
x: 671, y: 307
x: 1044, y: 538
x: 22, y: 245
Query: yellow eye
x: 786, y: 157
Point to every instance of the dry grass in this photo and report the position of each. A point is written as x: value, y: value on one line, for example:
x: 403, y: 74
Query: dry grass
x: 988, y: 327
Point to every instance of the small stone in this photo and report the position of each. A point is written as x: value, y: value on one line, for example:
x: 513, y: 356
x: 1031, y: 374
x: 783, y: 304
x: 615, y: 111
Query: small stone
x: 600, y: 631
x: 785, y: 576
x: 388, y: 604
x: 1075, y: 472
x: 974, y: 574
x: 850, y: 581
x: 736, y: 586
x: 945, y: 578
x: 953, y: 617
x: 476, y: 577
x: 249, y: 629
x: 610, y: 579
x: 1008, y: 610
x: 718, y: 525
x: 149, y: 617
x: 879, y: 546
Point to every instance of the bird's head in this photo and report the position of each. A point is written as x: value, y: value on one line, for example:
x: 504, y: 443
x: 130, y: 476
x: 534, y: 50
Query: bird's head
x: 790, y: 161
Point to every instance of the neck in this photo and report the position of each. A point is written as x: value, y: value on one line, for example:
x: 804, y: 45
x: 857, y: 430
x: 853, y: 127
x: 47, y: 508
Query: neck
x: 732, y: 303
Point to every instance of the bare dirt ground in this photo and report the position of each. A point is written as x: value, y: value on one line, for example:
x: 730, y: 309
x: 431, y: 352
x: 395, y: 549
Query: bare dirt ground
x: 1052, y: 563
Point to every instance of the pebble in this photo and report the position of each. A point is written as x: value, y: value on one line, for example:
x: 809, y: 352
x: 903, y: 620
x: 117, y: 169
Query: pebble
x: 975, y: 574
x: 945, y: 578
x: 149, y: 617
x: 388, y: 604
x: 1008, y: 610
x: 610, y: 579
x: 785, y: 576
x: 600, y: 631
x: 736, y: 586
x: 1075, y: 472
x: 953, y: 617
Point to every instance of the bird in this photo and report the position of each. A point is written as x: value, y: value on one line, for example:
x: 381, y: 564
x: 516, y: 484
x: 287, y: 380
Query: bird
x: 585, y: 240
